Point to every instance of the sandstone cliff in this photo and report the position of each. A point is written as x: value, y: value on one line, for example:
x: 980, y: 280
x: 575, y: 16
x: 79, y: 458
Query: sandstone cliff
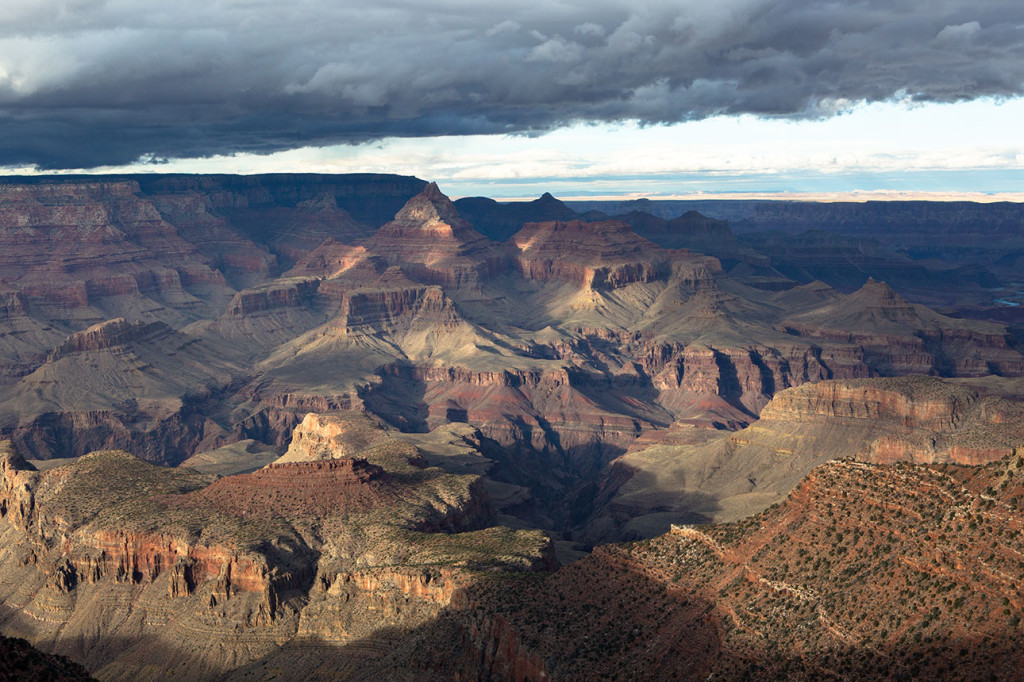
x: 599, y: 255
x: 689, y: 476
x: 293, y: 551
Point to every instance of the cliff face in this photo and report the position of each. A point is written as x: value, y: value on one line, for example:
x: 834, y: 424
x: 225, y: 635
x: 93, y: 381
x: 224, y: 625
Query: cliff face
x: 69, y: 246
x: 321, y: 437
x: 426, y: 290
x: 904, y: 338
x: 600, y: 255
x: 296, y: 550
x: 288, y: 293
x: 149, y: 314
x: 914, y: 419
x: 107, y: 335
x: 606, y: 385
x: 685, y: 476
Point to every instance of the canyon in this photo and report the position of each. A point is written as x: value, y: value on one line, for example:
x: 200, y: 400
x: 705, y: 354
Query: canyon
x: 238, y: 414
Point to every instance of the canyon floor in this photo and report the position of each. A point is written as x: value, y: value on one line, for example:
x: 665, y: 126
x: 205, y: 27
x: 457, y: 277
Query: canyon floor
x: 341, y: 426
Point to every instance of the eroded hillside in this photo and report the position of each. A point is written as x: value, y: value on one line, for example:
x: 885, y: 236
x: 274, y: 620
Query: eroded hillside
x: 174, y: 315
x: 129, y: 567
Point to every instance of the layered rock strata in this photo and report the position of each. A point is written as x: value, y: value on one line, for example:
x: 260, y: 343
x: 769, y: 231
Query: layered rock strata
x: 297, y: 550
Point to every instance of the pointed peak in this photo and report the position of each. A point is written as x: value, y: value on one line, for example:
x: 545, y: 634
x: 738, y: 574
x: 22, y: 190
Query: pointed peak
x: 548, y: 200
x: 432, y: 191
x: 874, y: 285
x: 879, y: 291
x: 430, y: 206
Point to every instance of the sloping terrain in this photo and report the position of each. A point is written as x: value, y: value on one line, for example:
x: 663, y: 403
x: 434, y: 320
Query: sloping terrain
x: 362, y: 383
x: 686, y: 476
x: 863, y: 572
x: 212, y: 310
x: 19, y: 660
x: 130, y: 567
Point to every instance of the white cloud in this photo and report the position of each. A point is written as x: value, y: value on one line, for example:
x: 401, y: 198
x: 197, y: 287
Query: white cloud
x: 959, y: 34
x: 556, y: 50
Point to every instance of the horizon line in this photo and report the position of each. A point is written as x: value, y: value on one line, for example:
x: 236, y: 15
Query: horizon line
x: 856, y: 196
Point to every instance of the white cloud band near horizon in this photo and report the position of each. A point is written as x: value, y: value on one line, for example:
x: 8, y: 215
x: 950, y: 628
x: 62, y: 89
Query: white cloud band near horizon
x: 895, y: 149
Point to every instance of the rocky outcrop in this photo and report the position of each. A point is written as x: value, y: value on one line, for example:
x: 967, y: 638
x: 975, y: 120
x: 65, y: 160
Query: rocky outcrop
x: 917, y: 419
x: 386, y: 308
x: 37, y: 504
x: 899, y: 337
x: 915, y: 402
x: 321, y: 437
x: 254, y: 561
x: 434, y: 245
x: 599, y: 255
x: 285, y: 293
x: 109, y: 334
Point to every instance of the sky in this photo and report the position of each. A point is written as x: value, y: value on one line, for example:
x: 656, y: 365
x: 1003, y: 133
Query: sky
x: 867, y: 98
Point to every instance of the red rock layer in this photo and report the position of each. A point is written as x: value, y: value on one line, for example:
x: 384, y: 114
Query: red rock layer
x: 315, y: 489
x: 109, y: 334
x: 915, y: 403
x: 66, y: 244
x: 600, y: 255
x: 123, y: 555
x: 436, y: 246
x: 283, y: 294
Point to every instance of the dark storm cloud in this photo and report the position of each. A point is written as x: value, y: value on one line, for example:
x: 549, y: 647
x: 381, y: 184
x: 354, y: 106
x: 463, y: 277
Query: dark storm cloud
x: 106, y: 81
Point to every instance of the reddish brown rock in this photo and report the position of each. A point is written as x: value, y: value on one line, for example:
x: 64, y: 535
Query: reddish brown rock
x: 333, y: 259
x: 287, y: 293
x: 436, y: 246
x: 316, y: 489
x: 67, y: 245
x: 600, y: 255
x: 899, y: 337
x: 290, y: 552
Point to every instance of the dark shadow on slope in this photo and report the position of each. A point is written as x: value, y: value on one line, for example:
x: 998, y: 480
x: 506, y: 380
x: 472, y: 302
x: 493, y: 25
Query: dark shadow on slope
x: 729, y: 388
x: 398, y: 399
x: 604, y: 617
